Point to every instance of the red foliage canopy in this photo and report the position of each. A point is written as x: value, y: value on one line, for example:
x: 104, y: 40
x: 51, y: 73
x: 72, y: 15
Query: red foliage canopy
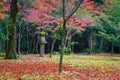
x: 40, y: 13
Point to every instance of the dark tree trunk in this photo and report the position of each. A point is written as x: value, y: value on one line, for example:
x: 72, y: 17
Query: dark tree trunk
x: 92, y: 41
x: 112, y: 50
x: 101, y: 44
x: 18, y: 42
x: 63, y: 39
x: 0, y: 45
x: 11, y: 43
x: 27, y: 40
x: 62, y: 47
x: 52, y: 46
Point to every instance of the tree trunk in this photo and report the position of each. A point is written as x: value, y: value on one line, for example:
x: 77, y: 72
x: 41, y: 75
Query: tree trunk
x: 28, y: 46
x: 34, y: 44
x: 6, y: 42
x: 69, y: 44
x: 101, y: 44
x: 63, y: 39
x: 92, y: 41
x: 65, y: 19
x: 52, y: 47
x: 0, y: 45
x: 37, y: 43
x: 19, y: 39
x: 62, y: 52
x: 11, y: 51
x: 112, y: 50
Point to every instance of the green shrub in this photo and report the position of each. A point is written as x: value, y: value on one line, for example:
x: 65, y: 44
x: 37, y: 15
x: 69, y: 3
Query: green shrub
x: 55, y: 53
x: 94, y: 51
x: 2, y: 54
x: 67, y: 50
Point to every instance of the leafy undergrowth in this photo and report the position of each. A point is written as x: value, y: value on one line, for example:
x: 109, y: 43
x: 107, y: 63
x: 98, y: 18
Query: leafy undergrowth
x: 76, y: 67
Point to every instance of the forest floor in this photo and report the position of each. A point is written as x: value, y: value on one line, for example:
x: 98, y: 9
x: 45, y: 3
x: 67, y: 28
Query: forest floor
x: 75, y: 67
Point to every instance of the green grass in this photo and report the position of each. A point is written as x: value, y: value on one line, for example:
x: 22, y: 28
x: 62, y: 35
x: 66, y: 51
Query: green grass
x: 93, y: 58
x: 83, y: 61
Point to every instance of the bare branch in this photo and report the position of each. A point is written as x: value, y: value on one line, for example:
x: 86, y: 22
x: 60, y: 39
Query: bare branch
x: 74, y: 9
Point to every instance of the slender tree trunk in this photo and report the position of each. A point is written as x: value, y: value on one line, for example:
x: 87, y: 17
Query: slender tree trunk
x: 65, y: 19
x: 63, y: 39
x: 92, y: 41
x: 34, y: 43
x: 37, y: 43
x: 19, y: 39
x: 66, y: 39
x: 112, y: 50
x: 6, y: 42
x: 11, y: 51
x: 28, y: 46
x: 101, y: 44
x: 68, y: 44
x: 0, y: 45
x: 62, y: 50
x: 31, y: 44
x: 52, y: 47
x: 91, y: 47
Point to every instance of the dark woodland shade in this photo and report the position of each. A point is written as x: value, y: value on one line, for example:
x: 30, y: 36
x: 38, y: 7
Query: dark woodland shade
x: 98, y: 1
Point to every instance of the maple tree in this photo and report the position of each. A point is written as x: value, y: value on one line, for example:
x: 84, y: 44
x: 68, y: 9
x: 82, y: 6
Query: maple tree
x: 89, y: 5
x: 65, y: 19
x: 40, y: 15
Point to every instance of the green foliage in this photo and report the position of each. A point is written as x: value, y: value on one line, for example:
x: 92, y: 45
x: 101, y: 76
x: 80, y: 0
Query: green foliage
x: 2, y: 35
x: 68, y: 50
x: 56, y: 32
x: 73, y: 43
x: 109, y: 37
x: 43, y: 33
x: 4, y: 26
x: 2, y: 54
x: 112, y: 14
x: 55, y: 53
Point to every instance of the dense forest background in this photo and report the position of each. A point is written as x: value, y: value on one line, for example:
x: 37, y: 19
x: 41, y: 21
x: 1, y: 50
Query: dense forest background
x: 92, y: 29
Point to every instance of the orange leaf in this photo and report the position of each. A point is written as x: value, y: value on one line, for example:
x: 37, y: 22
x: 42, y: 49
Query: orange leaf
x: 61, y: 20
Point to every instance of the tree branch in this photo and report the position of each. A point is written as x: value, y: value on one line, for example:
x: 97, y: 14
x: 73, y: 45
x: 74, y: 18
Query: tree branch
x: 63, y: 9
x: 74, y: 9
